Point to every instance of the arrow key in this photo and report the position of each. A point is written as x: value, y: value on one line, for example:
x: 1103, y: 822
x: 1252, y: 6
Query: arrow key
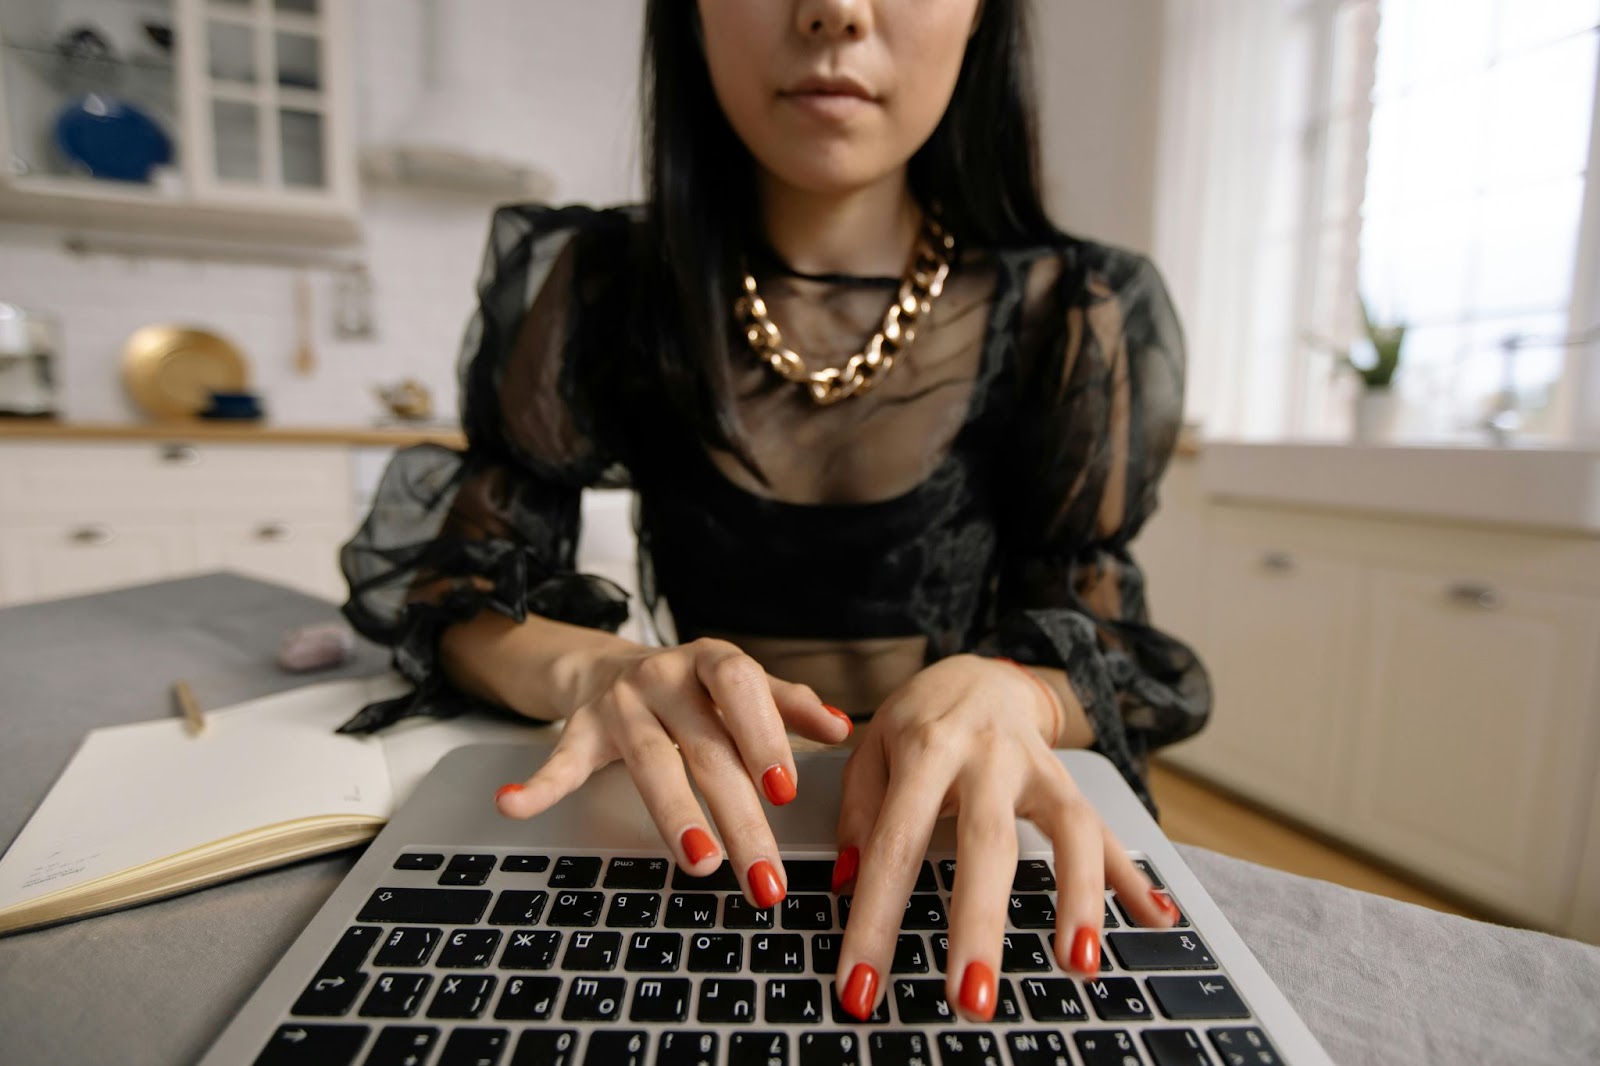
x: 1205, y: 996
x: 313, y: 1045
x: 402, y: 1045
x: 1244, y: 1045
x: 330, y: 993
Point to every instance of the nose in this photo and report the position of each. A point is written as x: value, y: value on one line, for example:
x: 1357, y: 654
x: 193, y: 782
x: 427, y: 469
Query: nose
x: 834, y: 20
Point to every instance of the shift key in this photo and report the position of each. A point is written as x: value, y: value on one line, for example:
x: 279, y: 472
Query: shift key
x: 436, y: 906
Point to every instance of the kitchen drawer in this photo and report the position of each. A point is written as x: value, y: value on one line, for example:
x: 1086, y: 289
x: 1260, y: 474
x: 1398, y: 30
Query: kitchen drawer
x: 302, y: 555
x: 48, y: 561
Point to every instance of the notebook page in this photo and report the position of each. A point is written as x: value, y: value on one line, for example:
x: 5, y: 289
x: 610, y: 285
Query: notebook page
x: 413, y: 745
x: 134, y: 794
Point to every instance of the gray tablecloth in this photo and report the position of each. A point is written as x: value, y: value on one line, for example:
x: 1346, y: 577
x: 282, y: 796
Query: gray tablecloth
x: 1378, y: 981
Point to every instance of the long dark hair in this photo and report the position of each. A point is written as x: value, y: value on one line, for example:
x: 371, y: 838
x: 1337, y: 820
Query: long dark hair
x: 980, y: 165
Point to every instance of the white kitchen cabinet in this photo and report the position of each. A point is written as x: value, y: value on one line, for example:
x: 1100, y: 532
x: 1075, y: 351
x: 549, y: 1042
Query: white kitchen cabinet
x: 49, y: 561
x: 302, y: 555
x: 1476, y: 721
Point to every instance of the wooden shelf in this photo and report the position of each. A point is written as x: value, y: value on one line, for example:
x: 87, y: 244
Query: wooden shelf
x: 200, y: 431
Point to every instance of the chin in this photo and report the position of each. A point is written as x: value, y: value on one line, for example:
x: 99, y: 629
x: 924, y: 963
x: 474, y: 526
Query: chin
x: 829, y: 169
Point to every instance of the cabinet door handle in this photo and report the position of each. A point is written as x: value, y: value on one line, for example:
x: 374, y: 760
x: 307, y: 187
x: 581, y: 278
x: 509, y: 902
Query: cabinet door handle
x: 1471, y: 594
x: 1277, y: 562
x: 95, y: 533
x: 272, y: 531
x: 180, y: 454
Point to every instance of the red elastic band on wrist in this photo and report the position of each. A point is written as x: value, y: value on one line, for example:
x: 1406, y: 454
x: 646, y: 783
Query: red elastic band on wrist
x: 1059, y: 713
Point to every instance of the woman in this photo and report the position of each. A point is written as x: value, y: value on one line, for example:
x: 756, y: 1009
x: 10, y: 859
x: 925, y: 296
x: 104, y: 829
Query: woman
x: 889, y: 484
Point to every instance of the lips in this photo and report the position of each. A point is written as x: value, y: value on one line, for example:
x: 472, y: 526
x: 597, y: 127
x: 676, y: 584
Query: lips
x: 835, y: 85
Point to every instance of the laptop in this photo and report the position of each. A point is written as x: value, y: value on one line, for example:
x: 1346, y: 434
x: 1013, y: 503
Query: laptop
x: 462, y: 938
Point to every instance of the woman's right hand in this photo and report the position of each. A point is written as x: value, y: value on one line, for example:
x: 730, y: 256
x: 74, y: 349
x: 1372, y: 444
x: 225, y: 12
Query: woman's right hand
x: 708, y: 707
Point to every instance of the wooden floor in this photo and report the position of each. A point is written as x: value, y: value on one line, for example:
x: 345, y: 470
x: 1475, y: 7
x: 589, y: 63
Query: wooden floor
x: 1194, y: 813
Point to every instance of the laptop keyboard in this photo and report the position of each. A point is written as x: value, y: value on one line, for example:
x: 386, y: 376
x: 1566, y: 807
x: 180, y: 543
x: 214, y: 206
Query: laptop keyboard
x: 497, y: 959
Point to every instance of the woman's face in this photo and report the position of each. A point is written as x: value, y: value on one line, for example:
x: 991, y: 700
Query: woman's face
x: 832, y: 95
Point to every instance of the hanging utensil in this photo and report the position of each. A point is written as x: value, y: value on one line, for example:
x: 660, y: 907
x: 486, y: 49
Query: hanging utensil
x: 305, y: 359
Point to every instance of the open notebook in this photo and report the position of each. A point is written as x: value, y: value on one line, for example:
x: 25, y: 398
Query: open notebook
x: 148, y: 810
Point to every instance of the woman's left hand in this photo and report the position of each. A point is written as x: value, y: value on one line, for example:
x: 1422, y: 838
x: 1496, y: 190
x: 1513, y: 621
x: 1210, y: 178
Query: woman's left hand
x: 966, y: 736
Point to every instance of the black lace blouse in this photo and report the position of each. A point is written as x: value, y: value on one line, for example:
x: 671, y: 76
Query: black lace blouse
x: 981, y: 498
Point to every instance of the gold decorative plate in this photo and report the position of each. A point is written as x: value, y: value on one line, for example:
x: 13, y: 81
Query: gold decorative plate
x: 171, y: 371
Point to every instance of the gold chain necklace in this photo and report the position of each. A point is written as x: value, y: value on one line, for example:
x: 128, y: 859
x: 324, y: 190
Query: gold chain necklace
x: 921, y: 286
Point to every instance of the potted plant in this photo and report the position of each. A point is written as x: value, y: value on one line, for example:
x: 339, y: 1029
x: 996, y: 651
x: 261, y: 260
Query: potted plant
x: 1376, y: 405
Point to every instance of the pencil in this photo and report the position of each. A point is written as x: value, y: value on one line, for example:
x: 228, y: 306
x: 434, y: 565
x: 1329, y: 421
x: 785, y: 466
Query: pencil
x: 191, y: 710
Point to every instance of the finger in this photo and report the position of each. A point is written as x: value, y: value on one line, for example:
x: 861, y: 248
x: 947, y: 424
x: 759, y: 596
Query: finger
x: 582, y: 749
x: 803, y: 711
x: 1076, y: 838
x: 986, y: 855
x: 861, y: 787
x: 739, y: 688
x: 890, y: 861
x: 1148, y: 906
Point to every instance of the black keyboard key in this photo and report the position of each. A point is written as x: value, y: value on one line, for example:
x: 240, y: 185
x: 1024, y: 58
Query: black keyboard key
x: 806, y: 912
x: 830, y: 1049
x: 530, y: 949
x: 758, y: 1049
x: 616, y: 1047
x: 1161, y: 951
x: 924, y: 912
x: 691, y: 910
x: 330, y: 994
x: 575, y: 872
x: 437, y: 906
x: 419, y: 860
x: 665, y: 1000
x: 844, y: 911
x: 825, y: 953
x: 797, y: 1000
x: 1007, y: 1011
x: 525, y: 864
x: 1033, y: 910
x: 1109, y: 920
x: 1118, y: 999
x: 738, y: 913
x: 654, y: 952
x: 920, y: 1002
x: 1038, y: 1047
x: 462, y: 995
x: 402, y: 1045
x: 900, y: 1049
x: 727, y: 999
x: 778, y: 953
x: 646, y: 874
x: 474, y: 1047
x: 396, y: 995
x: 475, y: 862
x: 593, y: 951
x: 351, y: 950
x: 809, y: 875
x: 910, y: 954
x: 1053, y: 999
x: 594, y: 999
x: 880, y: 1013
x: 576, y: 909
x: 546, y: 1047
x: 1175, y: 1047
x: 1207, y: 996
x: 1033, y: 875
x: 686, y: 1049
x: 518, y: 906
x: 469, y: 949
x: 1181, y: 923
x: 722, y: 879
x: 1150, y: 872
x: 407, y: 945
x: 1022, y: 953
x: 313, y: 1045
x: 464, y: 877
x: 947, y: 874
x: 528, y: 999
x: 1106, y: 1047
x: 1244, y: 1045
x: 941, y: 950
x: 925, y: 881
x: 970, y: 1048
x: 633, y: 910
x: 715, y: 953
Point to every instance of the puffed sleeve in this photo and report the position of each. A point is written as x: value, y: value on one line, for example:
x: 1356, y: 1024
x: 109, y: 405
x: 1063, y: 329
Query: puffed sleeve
x: 495, y: 527
x: 1100, y: 389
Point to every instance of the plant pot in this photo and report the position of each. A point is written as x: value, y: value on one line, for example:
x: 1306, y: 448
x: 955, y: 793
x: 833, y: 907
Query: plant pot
x: 1377, y: 411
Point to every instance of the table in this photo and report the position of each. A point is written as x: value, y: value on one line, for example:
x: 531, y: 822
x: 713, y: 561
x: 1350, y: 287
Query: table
x: 1378, y: 981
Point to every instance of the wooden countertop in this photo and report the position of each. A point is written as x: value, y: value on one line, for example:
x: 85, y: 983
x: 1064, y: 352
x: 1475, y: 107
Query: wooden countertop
x: 220, y: 432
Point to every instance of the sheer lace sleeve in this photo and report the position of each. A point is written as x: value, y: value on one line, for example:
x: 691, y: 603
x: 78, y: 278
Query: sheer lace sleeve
x: 495, y: 527
x: 1101, y: 389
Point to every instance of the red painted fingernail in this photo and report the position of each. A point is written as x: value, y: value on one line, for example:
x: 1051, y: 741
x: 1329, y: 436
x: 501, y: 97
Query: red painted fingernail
x: 844, y: 867
x: 977, y: 991
x: 778, y: 785
x: 860, y: 991
x: 515, y: 786
x: 764, y: 884
x: 837, y: 713
x: 1086, y: 951
x: 1169, y: 908
x: 697, y: 844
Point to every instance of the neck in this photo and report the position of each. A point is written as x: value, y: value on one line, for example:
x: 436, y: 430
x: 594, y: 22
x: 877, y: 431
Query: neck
x: 866, y: 231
